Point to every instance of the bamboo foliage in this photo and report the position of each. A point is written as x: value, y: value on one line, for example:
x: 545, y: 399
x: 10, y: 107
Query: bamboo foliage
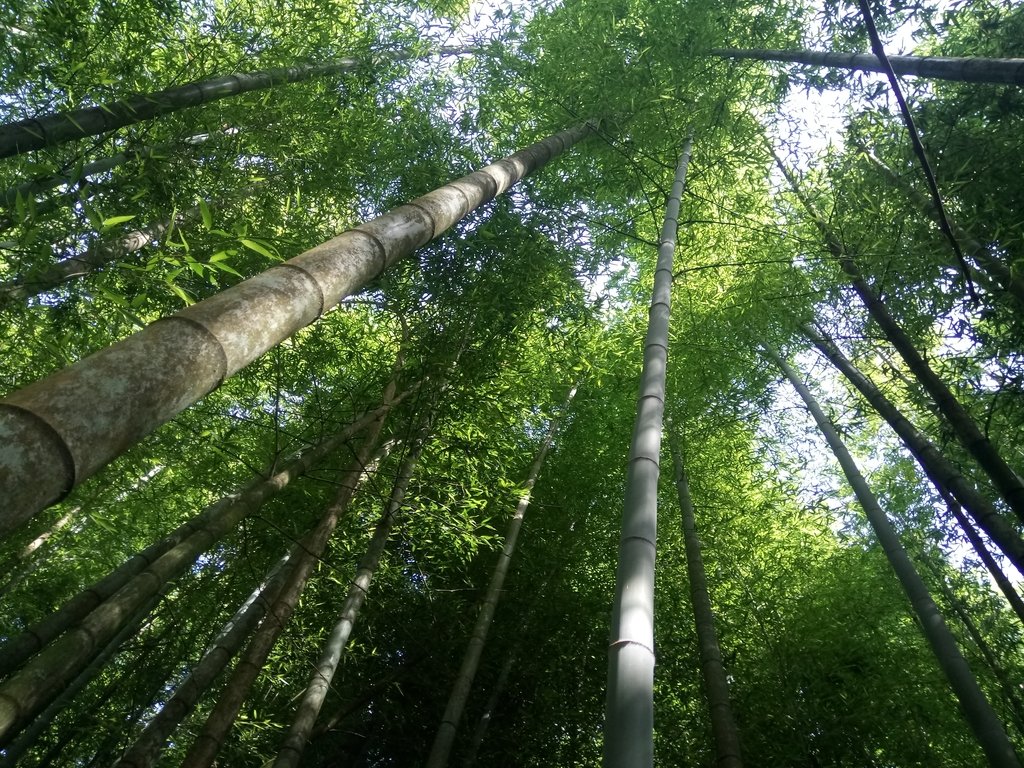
x: 441, y: 748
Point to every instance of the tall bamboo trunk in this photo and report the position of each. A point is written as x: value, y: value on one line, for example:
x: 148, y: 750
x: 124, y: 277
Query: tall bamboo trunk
x: 716, y: 684
x: 60, y: 430
x: 41, y: 679
x: 206, y: 745
x: 942, y: 472
x: 984, y: 722
x: 629, y: 708
x: 441, y: 749
x: 20, y: 648
x: 960, y: 69
x: 150, y: 743
x: 1005, y: 479
x: 320, y: 681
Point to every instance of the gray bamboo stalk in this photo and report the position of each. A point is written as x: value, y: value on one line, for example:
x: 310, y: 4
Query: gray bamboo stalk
x: 629, y: 708
x: 17, y: 650
x: 320, y: 681
x: 960, y: 69
x: 41, y: 679
x: 991, y: 265
x: 940, y: 470
x: 218, y: 723
x: 984, y: 722
x: 723, y: 724
x: 1005, y: 586
x: 98, y: 254
x: 60, y: 430
x: 441, y: 749
x: 17, y: 749
x: 1005, y: 479
x: 150, y: 743
x: 480, y: 732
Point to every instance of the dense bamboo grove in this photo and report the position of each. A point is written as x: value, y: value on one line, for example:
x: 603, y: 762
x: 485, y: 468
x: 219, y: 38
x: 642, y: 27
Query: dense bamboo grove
x: 236, y: 536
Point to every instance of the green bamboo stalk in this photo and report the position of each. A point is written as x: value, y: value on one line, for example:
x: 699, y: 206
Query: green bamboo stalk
x: 204, y: 749
x: 16, y: 750
x: 1006, y: 480
x: 316, y: 691
x: 716, y: 684
x: 445, y: 737
x: 18, y: 649
x: 940, y: 470
x: 40, y: 680
x: 49, y: 130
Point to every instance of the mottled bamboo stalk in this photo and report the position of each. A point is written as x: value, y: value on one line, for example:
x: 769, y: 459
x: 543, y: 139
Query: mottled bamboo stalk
x: 60, y: 430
